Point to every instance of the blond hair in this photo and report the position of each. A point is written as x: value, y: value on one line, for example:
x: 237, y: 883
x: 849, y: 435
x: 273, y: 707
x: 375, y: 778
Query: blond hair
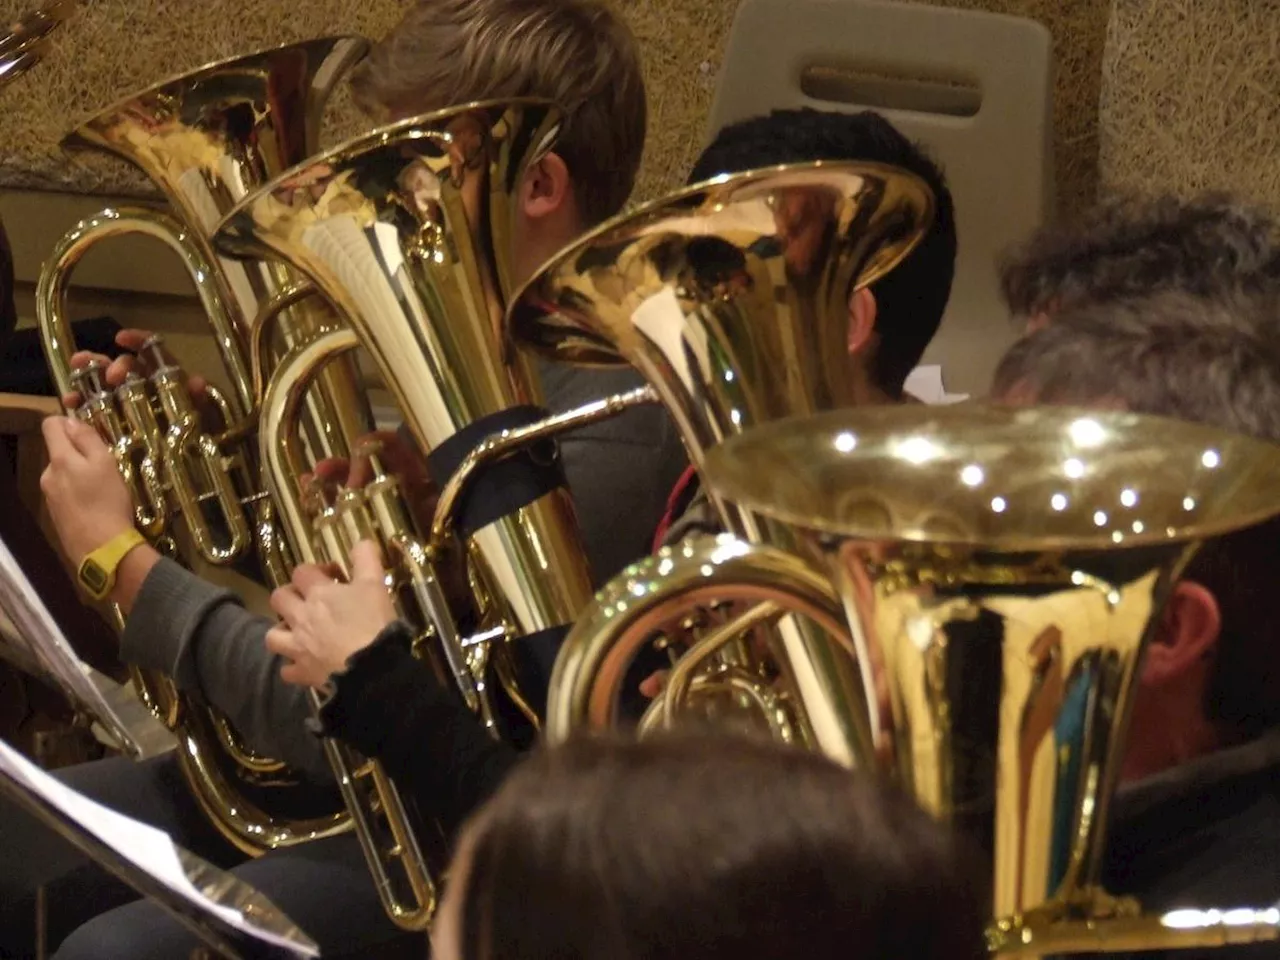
x: 578, y: 53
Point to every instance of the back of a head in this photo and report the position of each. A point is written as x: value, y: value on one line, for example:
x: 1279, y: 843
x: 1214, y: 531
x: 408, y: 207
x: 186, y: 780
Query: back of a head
x: 1204, y: 361
x: 1172, y: 355
x: 912, y: 298
x: 1132, y: 246
x: 709, y: 848
x: 578, y: 53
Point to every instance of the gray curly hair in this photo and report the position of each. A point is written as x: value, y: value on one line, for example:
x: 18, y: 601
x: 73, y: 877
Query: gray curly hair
x: 1213, y: 362
x: 1134, y: 246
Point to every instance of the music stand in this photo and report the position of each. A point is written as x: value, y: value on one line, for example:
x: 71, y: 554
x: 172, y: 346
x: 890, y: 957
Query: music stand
x: 38, y: 647
x: 225, y: 913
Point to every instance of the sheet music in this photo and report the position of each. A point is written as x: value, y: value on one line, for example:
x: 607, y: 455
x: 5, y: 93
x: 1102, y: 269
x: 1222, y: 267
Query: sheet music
x: 40, y: 641
x: 144, y: 846
x: 925, y: 384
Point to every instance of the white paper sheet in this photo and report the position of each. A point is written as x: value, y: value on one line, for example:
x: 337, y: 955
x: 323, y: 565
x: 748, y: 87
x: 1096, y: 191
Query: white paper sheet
x: 142, y: 845
x: 38, y: 638
x: 925, y: 384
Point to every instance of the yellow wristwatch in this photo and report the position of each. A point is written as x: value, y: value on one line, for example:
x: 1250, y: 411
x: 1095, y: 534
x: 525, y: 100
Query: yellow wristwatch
x: 97, y: 573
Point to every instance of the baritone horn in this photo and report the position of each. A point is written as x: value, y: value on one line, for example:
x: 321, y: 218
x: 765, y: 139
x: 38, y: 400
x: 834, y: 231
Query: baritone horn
x: 206, y: 139
x: 25, y: 43
x: 732, y: 299
x: 408, y: 232
x: 1002, y: 571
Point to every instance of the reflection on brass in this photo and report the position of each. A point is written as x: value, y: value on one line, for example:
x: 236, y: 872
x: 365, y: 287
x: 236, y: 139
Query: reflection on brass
x: 207, y: 139
x: 25, y: 43
x: 732, y: 298
x: 408, y: 232
x: 999, y: 597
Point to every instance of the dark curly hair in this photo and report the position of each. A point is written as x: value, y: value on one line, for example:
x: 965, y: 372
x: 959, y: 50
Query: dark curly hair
x: 1203, y: 361
x: 912, y: 297
x: 1133, y: 246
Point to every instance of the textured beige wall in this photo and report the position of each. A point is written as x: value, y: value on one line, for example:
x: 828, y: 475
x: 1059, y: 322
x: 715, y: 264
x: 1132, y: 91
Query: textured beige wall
x: 117, y: 46
x: 1190, y: 89
x: 1191, y: 96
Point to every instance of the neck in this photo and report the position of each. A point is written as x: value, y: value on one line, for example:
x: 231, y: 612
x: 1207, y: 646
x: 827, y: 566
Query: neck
x: 538, y: 239
x: 1168, y: 729
x: 864, y: 392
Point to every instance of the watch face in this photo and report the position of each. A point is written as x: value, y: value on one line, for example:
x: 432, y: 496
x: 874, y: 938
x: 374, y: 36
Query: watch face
x: 93, y: 577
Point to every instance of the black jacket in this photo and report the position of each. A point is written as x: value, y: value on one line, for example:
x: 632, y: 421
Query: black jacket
x: 389, y: 705
x: 1205, y: 834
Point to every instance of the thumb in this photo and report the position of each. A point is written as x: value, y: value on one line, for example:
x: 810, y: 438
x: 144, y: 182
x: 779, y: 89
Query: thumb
x: 366, y: 563
x: 83, y: 437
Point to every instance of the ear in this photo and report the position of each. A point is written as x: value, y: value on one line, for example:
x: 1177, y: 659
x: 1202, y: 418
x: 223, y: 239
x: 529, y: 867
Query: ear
x: 862, y: 320
x: 547, y: 187
x: 1187, y: 635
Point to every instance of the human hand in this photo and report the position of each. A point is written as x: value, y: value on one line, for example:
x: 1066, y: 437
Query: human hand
x: 88, y: 500
x: 116, y: 371
x: 400, y: 458
x: 654, y: 684
x: 325, y: 621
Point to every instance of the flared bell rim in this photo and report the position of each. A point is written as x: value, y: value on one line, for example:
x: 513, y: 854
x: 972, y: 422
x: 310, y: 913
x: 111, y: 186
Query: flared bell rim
x: 229, y: 237
x: 35, y: 28
x: 526, y: 314
x: 940, y: 462
x: 350, y: 49
x: 28, y: 45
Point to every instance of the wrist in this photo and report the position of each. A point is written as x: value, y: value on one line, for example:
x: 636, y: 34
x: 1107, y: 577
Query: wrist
x: 97, y: 569
x: 393, y: 632
x: 363, y: 671
x: 131, y: 574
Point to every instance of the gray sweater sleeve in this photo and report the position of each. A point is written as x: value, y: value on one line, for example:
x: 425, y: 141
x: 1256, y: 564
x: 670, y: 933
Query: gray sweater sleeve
x: 203, y: 638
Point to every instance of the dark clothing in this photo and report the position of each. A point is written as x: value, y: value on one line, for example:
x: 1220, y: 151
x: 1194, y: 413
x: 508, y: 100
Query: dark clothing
x: 1205, y: 834
x: 8, y: 310
x: 324, y: 886
x: 389, y: 705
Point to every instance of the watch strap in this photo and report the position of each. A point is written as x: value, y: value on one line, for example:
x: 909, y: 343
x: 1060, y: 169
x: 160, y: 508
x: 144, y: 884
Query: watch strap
x: 97, y: 572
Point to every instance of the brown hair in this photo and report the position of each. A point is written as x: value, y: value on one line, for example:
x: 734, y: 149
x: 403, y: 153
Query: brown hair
x: 578, y: 53
x: 709, y: 847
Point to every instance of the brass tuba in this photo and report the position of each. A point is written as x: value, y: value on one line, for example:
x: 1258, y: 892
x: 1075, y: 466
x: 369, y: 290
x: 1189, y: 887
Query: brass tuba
x: 732, y: 299
x: 24, y: 45
x: 206, y: 139
x: 1001, y: 571
x: 408, y: 232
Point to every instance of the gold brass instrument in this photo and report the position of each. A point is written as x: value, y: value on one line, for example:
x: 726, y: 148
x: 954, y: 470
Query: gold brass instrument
x: 206, y: 139
x: 732, y: 299
x: 26, y: 41
x: 408, y: 232
x: 1002, y: 571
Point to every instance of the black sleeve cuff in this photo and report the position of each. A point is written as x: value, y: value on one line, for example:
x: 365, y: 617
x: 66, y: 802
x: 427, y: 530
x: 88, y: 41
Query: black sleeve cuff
x: 391, y: 707
x: 349, y: 702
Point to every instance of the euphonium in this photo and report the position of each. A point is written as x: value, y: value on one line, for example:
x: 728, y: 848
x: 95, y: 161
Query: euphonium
x: 408, y: 232
x: 732, y: 299
x: 23, y: 46
x: 206, y: 139
x: 1002, y: 571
